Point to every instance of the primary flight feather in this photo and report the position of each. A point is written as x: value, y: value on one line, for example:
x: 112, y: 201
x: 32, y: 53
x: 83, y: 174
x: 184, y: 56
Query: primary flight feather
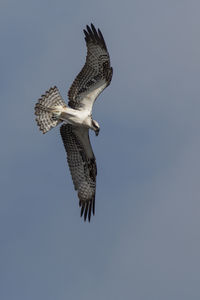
x: 51, y: 110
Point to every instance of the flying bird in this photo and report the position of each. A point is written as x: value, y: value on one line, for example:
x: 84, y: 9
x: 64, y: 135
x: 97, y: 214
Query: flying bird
x: 76, y: 118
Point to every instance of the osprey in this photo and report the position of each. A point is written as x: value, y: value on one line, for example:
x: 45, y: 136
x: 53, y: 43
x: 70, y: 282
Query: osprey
x: 51, y: 110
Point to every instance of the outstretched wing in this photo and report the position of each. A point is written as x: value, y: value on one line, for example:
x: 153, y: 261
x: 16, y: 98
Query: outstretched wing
x: 96, y: 74
x: 82, y: 164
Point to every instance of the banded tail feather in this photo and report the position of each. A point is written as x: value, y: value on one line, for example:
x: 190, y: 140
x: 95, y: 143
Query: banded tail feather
x: 45, y: 109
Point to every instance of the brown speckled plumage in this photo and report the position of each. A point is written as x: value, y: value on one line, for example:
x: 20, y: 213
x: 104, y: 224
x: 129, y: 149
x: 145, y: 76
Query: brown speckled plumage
x: 51, y: 110
x: 96, y: 69
x: 82, y: 167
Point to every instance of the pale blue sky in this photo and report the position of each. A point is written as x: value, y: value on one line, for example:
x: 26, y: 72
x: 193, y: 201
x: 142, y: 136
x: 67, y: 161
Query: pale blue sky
x: 144, y: 241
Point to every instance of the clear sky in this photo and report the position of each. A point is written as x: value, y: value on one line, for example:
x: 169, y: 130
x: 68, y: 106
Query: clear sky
x: 144, y: 241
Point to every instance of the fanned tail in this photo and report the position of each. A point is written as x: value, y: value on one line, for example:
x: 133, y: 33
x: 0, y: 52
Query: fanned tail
x: 45, y: 109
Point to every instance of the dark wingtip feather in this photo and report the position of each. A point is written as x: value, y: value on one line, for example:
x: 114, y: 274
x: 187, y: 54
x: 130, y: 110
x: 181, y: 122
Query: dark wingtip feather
x: 85, y: 32
x: 91, y: 34
x: 89, y: 212
x: 87, y: 208
x: 93, y: 206
x: 102, y: 38
x: 95, y: 34
x: 86, y: 211
x: 82, y: 208
x: 93, y: 28
x: 89, y: 31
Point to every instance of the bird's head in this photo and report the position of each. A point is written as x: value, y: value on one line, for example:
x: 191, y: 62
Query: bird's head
x: 95, y: 127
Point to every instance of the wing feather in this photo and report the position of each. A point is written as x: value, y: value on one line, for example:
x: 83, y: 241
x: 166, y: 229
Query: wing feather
x: 96, y: 74
x: 82, y: 164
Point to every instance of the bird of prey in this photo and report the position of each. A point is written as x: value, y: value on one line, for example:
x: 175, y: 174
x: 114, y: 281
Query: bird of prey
x: 51, y: 110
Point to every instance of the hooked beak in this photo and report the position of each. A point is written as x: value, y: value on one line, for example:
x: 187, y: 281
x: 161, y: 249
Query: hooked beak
x: 97, y: 131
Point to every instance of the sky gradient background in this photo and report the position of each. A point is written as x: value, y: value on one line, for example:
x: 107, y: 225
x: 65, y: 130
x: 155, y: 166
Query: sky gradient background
x: 144, y: 241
